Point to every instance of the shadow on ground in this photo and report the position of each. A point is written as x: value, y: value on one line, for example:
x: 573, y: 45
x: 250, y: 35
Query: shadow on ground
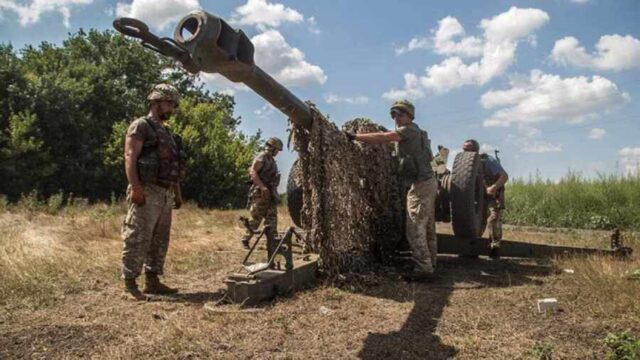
x: 54, y: 341
x: 417, y: 339
x: 199, y: 297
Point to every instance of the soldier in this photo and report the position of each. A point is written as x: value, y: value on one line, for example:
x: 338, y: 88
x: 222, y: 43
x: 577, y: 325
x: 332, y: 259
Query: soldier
x: 494, y: 177
x: 154, y: 167
x: 263, y: 194
x: 413, y: 148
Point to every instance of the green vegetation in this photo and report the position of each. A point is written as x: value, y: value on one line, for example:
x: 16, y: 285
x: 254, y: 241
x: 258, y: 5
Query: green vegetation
x: 64, y: 111
x: 623, y: 347
x: 575, y: 202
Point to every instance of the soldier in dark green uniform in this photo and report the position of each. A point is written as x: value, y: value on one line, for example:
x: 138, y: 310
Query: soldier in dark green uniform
x: 263, y: 195
x: 154, y: 169
x: 414, y: 153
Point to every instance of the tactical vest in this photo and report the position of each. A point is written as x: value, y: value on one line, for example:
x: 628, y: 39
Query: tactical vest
x: 416, y: 166
x: 269, y: 173
x: 162, y: 160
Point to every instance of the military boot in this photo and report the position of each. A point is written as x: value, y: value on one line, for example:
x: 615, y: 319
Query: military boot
x: 131, y: 290
x: 154, y: 286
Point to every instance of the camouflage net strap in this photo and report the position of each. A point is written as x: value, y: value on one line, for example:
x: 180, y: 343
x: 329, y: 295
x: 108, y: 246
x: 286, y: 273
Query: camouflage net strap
x: 352, y: 201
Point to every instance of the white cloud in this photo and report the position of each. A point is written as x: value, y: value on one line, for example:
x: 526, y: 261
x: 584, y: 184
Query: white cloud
x: 313, y: 25
x: 448, y: 39
x: 331, y: 98
x: 157, y: 13
x: 265, y: 111
x: 543, y: 97
x: 487, y: 148
x: 29, y: 12
x: 412, y: 89
x: 580, y: 1
x: 539, y: 146
x: 221, y: 84
x: 414, y: 44
x: 597, y: 133
x: 501, y: 36
x: 263, y: 14
x: 285, y: 63
x: 444, y: 40
x: 630, y: 159
x: 613, y: 52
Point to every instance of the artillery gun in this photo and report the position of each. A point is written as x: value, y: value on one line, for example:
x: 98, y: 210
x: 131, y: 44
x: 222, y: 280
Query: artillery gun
x: 207, y: 43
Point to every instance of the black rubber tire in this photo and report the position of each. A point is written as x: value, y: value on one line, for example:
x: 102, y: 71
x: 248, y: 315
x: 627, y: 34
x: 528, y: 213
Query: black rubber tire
x: 294, y: 193
x: 468, y: 205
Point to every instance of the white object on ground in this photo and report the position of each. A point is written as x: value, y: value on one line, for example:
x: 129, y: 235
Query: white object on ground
x: 568, y: 271
x: 325, y: 310
x: 549, y: 305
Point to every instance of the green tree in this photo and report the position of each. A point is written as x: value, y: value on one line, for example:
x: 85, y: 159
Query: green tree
x: 68, y: 108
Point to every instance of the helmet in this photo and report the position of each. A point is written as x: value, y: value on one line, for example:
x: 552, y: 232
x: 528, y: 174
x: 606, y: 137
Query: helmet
x: 275, y: 143
x: 405, y: 105
x: 165, y: 92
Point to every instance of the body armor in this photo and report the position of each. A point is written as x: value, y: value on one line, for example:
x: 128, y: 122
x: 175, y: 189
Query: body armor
x: 162, y: 160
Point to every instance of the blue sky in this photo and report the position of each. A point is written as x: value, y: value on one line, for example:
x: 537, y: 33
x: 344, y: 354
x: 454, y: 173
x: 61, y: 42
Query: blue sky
x: 553, y: 84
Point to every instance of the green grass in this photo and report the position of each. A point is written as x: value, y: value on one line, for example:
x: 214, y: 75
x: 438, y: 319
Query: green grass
x: 602, y: 203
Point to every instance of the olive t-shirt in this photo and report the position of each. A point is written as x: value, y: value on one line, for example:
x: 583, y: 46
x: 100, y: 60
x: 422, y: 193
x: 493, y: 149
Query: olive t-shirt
x: 411, y: 147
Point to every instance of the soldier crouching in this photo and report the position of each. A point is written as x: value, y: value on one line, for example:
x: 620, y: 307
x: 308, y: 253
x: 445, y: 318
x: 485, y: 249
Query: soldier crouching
x: 154, y: 165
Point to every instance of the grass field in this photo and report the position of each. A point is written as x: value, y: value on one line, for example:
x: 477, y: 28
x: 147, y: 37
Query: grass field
x: 60, y: 297
x: 604, y: 202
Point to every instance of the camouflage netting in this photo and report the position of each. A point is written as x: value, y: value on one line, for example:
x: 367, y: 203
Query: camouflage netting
x: 352, y: 202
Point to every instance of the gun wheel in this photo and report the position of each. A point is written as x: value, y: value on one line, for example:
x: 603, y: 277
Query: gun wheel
x: 468, y: 205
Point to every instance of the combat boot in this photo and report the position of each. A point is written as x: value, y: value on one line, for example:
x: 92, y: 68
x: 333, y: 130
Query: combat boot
x: 131, y: 290
x: 153, y: 285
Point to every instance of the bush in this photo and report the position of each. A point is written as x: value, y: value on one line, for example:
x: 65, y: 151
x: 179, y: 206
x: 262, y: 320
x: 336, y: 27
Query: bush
x: 623, y: 347
x: 55, y: 202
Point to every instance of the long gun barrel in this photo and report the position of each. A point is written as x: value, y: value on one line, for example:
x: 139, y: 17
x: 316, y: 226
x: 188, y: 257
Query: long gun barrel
x: 205, y: 42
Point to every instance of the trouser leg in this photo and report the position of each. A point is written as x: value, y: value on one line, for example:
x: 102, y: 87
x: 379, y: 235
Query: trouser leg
x: 494, y: 223
x: 137, y: 232
x: 258, y: 210
x: 417, y: 223
x: 432, y: 240
x: 157, y: 252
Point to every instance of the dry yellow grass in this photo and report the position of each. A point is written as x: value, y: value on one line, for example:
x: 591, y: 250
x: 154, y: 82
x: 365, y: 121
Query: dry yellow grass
x: 60, y: 297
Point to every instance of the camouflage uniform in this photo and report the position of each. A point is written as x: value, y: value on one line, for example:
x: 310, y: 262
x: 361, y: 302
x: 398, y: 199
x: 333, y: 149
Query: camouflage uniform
x: 146, y: 227
x: 414, y: 154
x: 263, y: 206
x: 145, y: 232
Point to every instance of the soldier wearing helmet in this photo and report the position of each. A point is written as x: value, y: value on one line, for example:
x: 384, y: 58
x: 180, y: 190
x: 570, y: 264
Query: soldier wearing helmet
x: 154, y: 168
x: 263, y: 195
x: 413, y: 149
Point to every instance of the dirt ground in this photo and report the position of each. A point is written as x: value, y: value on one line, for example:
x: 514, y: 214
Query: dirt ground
x: 62, y: 299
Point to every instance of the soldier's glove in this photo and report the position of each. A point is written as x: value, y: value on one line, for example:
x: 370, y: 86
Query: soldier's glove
x: 350, y: 135
x: 137, y: 195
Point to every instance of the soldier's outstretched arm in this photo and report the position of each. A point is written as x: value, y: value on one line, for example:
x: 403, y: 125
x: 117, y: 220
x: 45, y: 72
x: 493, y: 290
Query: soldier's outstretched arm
x: 378, y: 137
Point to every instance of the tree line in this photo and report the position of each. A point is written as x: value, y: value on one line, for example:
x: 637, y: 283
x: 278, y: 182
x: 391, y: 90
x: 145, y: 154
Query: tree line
x: 64, y: 112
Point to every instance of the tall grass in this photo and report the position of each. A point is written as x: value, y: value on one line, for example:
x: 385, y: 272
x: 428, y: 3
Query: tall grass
x: 605, y: 202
